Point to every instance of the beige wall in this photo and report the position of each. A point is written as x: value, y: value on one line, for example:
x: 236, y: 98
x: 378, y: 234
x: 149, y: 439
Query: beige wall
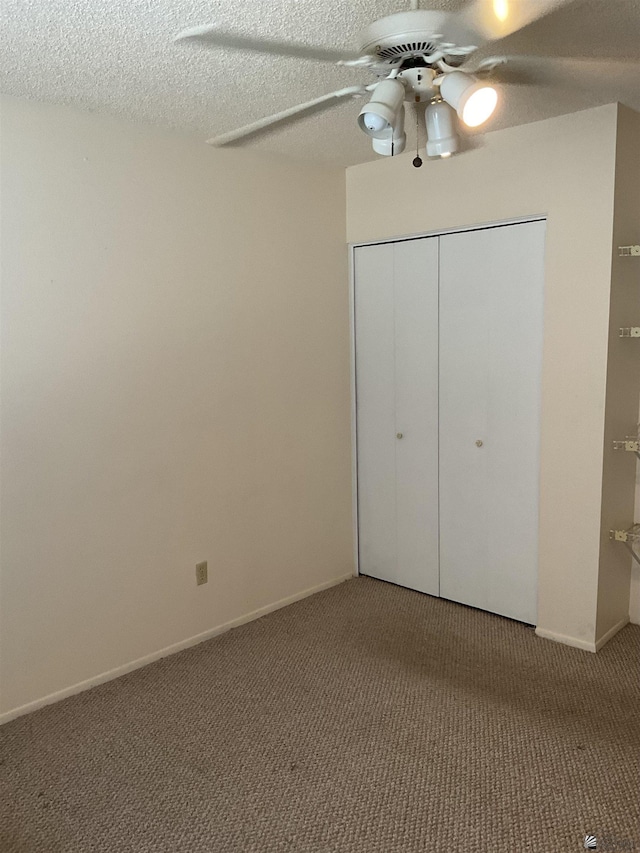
x: 563, y: 168
x: 628, y: 170
x: 623, y: 386
x: 634, y: 592
x: 175, y: 388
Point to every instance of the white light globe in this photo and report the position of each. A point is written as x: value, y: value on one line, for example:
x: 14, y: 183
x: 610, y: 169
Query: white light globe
x: 390, y: 146
x: 473, y: 100
x: 374, y: 122
x: 394, y: 140
x: 381, y: 113
x: 479, y: 106
x: 442, y: 138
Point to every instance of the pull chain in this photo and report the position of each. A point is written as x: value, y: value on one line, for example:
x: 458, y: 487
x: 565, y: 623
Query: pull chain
x: 417, y: 160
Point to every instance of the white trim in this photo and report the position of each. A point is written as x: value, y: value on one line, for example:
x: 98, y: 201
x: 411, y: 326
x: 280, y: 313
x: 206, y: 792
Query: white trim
x: 479, y: 226
x: 583, y: 644
x: 566, y: 640
x: 354, y: 430
x: 611, y: 633
x: 169, y: 650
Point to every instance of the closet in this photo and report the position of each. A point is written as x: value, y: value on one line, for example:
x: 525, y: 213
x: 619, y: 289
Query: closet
x: 448, y: 346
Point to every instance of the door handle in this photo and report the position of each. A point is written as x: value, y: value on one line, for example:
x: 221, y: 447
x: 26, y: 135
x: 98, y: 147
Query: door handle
x: 479, y: 443
x: 399, y: 435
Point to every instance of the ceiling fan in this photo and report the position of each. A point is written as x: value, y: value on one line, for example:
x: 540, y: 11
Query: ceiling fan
x: 420, y: 57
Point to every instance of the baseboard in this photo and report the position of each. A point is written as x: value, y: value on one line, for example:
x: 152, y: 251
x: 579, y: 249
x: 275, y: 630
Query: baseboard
x: 169, y: 650
x: 566, y: 640
x: 611, y: 633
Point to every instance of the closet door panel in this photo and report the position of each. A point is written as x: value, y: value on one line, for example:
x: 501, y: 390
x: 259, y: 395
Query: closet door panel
x: 464, y: 394
x: 491, y: 299
x: 396, y: 330
x: 375, y: 410
x: 416, y: 353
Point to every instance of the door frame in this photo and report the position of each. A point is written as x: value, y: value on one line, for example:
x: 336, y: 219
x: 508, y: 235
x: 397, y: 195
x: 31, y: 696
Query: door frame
x: 500, y: 223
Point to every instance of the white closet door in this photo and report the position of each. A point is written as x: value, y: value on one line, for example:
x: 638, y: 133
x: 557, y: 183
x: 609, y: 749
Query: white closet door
x: 491, y: 299
x: 396, y: 320
x: 376, y: 410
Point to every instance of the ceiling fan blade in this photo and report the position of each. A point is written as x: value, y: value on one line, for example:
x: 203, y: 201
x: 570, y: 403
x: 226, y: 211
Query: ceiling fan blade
x: 210, y: 36
x: 535, y: 70
x: 301, y: 110
x: 495, y: 19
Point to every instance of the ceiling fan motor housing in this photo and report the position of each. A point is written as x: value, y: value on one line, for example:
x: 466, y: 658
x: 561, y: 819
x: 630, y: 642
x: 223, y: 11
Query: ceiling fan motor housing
x: 418, y: 32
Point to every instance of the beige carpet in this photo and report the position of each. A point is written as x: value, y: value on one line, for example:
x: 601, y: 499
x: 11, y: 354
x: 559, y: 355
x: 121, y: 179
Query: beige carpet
x: 367, y: 719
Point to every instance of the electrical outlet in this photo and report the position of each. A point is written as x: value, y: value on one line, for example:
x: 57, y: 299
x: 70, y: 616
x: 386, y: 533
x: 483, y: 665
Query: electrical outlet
x: 202, y: 573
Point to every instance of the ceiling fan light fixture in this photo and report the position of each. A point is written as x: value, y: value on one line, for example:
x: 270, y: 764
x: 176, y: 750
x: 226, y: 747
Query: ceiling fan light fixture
x: 395, y: 141
x: 442, y: 139
x: 480, y: 106
x: 501, y: 9
x: 473, y: 100
x: 378, y: 118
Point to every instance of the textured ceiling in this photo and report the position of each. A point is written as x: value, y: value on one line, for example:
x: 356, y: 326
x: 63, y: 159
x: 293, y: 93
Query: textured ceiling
x: 118, y: 56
